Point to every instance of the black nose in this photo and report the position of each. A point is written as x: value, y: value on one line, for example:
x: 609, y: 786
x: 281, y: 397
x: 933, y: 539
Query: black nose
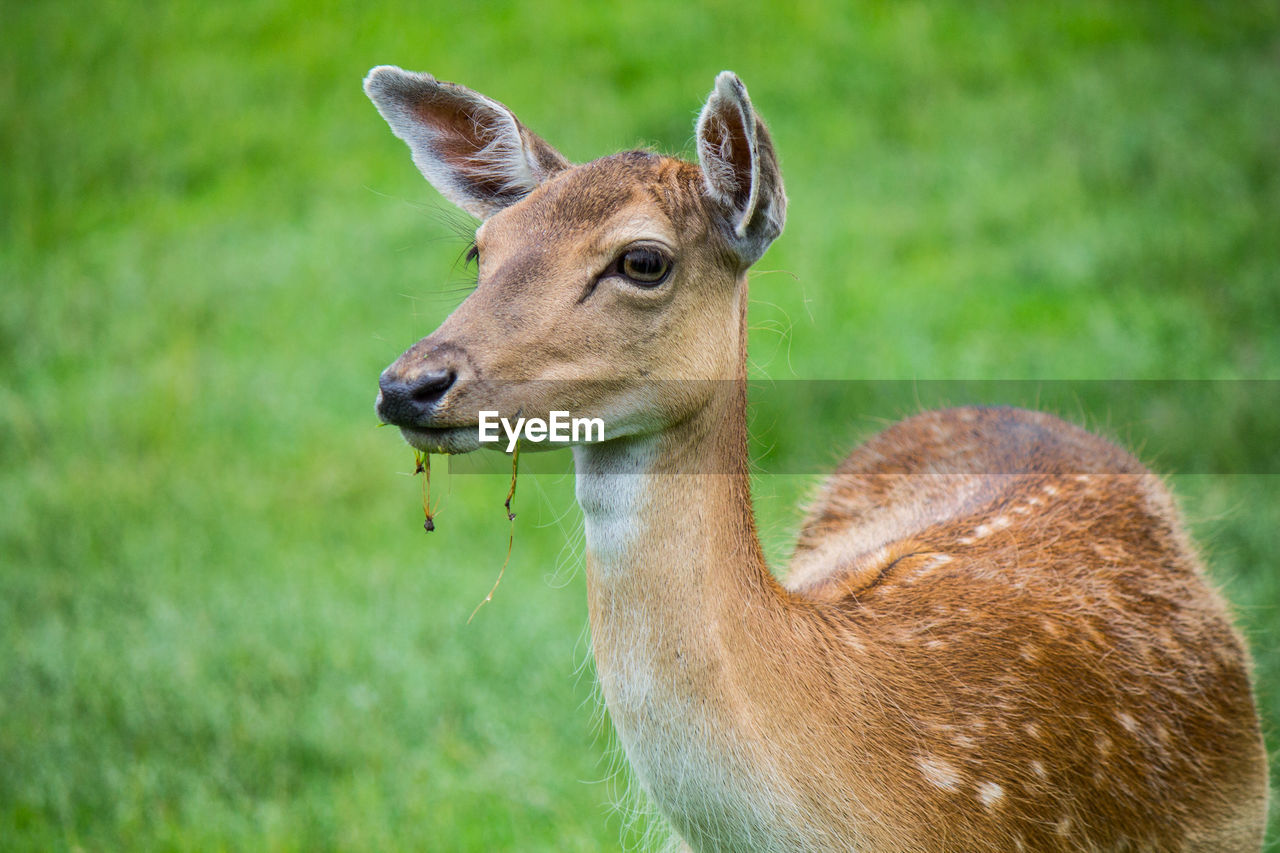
x: 412, y: 402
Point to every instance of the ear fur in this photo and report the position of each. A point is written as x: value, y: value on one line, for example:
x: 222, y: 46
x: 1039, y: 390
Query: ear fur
x: 471, y: 148
x: 740, y: 169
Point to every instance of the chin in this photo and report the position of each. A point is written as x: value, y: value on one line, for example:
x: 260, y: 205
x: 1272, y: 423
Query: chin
x: 450, y: 440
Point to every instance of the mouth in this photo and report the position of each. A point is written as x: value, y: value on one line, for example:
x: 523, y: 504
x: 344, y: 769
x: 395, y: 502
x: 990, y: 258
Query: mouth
x: 451, y: 440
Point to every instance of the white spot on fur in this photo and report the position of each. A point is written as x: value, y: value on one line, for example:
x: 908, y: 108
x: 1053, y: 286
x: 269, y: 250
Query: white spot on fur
x: 1063, y: 827
x: 1029, y: 653
x: 1050, y: 489
x: 1103, y: 744
x: 1032, y: 730
x: 990, y: 794
x: 927, y: 567
x: 939, y: 773
x: 853, y: 643
x: 1038, y: 769
x: 1127, y: 720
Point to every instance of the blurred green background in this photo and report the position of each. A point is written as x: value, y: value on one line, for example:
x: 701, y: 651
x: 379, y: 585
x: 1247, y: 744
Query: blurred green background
x: 221, y: 626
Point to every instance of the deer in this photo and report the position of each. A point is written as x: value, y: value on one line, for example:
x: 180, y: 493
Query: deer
x: 995, y: 632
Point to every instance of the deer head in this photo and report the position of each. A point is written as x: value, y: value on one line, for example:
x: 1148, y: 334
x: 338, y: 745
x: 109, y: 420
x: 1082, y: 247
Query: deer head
x: 596, y: 282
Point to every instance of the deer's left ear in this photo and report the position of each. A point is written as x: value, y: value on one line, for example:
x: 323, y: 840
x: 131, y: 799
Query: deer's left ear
x: 740, y: 170
x: 471, y: 148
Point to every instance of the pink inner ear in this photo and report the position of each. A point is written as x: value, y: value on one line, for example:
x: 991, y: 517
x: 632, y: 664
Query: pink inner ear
x: 463, y: 136
x: 726, y: 135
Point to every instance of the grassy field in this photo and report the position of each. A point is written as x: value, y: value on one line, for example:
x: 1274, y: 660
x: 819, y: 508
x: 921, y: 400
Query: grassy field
x: 221, y: 626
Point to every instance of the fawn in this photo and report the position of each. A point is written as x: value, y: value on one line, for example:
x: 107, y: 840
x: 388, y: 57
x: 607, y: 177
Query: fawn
x: 995, y: 633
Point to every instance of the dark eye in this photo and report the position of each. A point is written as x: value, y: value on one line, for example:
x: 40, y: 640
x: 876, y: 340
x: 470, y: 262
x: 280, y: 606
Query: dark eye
x: 645, y: 267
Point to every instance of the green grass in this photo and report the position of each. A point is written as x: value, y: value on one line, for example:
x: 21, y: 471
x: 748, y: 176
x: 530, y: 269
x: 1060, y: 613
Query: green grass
x: 220, y: 624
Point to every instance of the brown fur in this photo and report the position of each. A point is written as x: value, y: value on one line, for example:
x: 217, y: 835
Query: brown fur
x: 1070, y: 651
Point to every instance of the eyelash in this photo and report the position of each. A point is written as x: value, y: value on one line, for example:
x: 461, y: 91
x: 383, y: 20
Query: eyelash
x: 616, y: 268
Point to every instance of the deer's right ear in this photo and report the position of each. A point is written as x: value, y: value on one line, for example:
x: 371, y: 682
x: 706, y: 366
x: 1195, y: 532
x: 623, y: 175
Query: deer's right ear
x: 471, y: 148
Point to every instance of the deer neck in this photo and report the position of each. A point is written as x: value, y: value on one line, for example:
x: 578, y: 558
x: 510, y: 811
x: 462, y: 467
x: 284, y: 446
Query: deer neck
x: 672, y: 511
x: 684, y: 613
x: 672, y: 547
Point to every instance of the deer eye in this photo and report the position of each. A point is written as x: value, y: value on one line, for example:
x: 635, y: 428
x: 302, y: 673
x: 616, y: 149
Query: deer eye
x: 645, y: 267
